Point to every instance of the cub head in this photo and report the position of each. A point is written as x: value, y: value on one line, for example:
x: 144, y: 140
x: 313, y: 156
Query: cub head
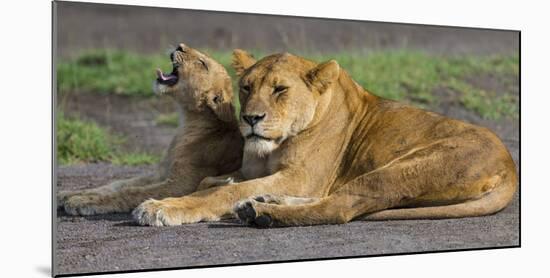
x: 197, y: 82
x: 280, y: 96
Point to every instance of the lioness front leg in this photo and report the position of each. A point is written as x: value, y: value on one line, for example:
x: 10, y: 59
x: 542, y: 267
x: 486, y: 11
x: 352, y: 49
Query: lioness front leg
x: 215, y: 203
x: 334, y: 209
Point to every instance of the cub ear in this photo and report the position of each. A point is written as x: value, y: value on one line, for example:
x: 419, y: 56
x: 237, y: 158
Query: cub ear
x: 241, y: 61
x: 323, y: 75
x: 222, y: 105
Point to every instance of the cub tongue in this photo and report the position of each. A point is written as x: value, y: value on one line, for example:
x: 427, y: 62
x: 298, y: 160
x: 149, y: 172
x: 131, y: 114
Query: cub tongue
x: 161, y: 76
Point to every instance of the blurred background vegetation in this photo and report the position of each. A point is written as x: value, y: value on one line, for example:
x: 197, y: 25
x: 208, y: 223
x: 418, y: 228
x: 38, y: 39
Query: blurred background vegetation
x: 404, y: 75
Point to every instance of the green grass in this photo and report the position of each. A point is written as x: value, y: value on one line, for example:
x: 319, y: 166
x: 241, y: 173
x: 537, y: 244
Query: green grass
x: 413, y: 77
x: 134, y: 159
x: 109, y: 71
x: 168, y: 119
x: 403, y: 75
x: 484, y: 102
x: 81, y: 141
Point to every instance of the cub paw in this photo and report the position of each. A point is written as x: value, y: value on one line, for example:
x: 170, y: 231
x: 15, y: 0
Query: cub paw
x: 86, y: 204
x: 209, y: 182
x: 62, y: 197
x: 247, y: 213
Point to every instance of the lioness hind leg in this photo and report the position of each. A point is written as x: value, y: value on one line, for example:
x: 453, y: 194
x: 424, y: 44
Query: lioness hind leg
x: 335, y: 209
x: 245, y: 212
x: 404, y: 181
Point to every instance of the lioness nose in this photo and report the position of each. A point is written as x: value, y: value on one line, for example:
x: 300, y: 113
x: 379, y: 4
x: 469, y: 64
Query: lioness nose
x: 253, y: 119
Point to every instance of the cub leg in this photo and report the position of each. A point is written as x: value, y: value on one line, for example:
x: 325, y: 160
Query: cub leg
x: 161, y: 173
x: 114, y: 186
x: 122, y: 200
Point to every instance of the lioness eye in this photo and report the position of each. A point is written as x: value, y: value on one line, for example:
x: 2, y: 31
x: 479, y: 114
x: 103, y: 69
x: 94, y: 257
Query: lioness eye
x: 245, y: 89
x: 204, y: 64
x: 279, y: 89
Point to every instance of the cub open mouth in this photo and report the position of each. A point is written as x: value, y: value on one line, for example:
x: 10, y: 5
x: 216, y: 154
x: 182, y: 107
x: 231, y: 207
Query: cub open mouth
x: 168, y: 79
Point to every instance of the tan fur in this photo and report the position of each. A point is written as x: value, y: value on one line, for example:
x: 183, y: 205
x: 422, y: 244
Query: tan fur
x: 207, y: 144
x: 332, y: 152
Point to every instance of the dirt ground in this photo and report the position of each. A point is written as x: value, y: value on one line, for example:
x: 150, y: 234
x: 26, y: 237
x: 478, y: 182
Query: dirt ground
x: 113, y: 242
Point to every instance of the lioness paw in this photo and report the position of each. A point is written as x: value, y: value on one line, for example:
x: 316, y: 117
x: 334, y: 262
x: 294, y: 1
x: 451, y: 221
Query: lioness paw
x: 246, y: 212
x: 153, y: 213
x: 164, y: 213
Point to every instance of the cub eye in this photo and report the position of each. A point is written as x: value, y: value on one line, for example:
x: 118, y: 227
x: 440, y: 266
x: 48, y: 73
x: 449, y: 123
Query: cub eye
x: 279, y: 89
x: 203, y: 64
x: 245, y: 89
x: 217, y: 99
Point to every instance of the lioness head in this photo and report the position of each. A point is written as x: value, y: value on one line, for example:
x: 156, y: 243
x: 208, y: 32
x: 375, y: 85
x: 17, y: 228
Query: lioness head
x: 280, y: 96
x: 197, y: 82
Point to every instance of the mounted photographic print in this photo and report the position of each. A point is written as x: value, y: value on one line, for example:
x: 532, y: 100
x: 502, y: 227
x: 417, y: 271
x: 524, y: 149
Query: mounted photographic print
x: 187, y: 138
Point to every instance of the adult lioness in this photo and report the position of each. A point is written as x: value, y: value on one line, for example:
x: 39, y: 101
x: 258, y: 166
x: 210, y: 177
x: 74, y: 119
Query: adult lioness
x: 333, y: 152
x: 208, y: 143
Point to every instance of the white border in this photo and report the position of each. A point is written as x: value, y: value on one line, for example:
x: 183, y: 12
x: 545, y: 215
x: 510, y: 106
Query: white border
x: 25, y: 144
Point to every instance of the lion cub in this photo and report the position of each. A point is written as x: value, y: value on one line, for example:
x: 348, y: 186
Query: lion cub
x: 207, y: 144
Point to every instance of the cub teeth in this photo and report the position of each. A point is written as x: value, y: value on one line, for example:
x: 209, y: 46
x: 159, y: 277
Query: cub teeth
x: 159, y: 74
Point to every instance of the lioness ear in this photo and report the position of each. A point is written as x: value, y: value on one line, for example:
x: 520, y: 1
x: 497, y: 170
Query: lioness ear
x: 323, y: 75
x: 241, y: 61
